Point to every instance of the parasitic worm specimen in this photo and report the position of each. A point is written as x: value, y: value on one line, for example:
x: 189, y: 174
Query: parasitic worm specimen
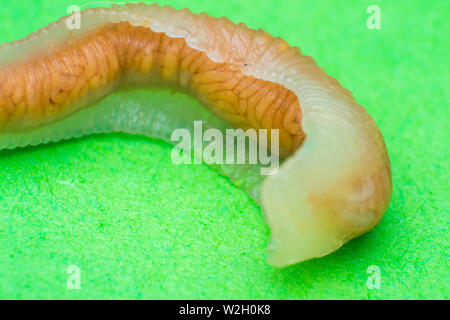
x: 335, y: 182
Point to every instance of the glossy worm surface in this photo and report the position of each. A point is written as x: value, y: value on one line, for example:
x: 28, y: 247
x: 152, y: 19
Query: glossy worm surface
x: 335, y: 183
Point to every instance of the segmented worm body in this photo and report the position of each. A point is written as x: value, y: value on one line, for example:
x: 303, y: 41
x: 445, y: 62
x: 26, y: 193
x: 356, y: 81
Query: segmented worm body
x: 335, y: 183
x: 46, y: 87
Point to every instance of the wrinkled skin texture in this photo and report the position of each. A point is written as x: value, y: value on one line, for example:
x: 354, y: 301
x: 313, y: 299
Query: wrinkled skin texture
x: 45, y: 87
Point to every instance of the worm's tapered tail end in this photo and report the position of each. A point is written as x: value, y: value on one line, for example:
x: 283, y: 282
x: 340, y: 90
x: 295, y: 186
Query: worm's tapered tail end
x: 336, y: 187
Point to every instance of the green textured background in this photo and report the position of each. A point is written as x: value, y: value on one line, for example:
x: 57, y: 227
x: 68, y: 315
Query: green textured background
x: 139, y: 226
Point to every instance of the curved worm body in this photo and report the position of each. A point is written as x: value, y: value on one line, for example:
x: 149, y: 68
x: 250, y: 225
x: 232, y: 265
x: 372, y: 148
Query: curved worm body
x: 335, y: 182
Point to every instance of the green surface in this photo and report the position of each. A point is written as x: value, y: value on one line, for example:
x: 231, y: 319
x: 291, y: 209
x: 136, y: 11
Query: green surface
x: 139, y: 226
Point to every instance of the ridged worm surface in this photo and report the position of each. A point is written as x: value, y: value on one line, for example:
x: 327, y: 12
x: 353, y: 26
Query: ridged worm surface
x: 335, y: 182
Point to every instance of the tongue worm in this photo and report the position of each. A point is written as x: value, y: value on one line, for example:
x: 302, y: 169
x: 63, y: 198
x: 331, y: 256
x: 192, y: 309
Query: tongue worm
x: 335, y: 181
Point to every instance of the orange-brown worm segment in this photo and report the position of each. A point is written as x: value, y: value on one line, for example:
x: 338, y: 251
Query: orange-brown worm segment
x: 335, y: 183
